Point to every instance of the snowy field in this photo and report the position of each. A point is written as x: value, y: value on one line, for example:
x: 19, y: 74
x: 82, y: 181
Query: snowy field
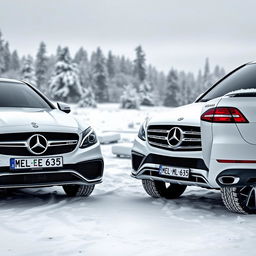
x: 119, y: 219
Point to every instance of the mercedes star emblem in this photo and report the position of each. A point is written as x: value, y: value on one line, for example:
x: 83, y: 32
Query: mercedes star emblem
x: 35, y: 125
x: 175, y: 137
x: 37, y: 144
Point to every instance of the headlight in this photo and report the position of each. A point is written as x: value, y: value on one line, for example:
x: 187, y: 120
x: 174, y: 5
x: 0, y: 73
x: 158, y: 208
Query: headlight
x: 142, y: 132
x: 89, y: 138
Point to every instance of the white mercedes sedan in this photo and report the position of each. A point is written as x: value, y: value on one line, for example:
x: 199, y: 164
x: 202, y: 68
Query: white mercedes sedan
x: 42, y: 145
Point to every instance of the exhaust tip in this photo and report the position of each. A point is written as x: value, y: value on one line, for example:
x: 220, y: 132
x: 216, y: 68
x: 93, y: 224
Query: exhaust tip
x: 228, y: 180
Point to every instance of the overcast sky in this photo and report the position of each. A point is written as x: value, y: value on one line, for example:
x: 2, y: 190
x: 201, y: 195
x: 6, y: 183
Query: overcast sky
x: 178, y: 33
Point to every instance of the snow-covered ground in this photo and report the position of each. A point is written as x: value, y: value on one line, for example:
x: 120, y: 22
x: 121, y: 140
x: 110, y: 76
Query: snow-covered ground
x: 119, y: 218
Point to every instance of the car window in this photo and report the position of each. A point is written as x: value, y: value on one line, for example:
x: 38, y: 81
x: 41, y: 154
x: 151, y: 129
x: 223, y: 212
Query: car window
x: 20, y: 95
x: 243, y: 78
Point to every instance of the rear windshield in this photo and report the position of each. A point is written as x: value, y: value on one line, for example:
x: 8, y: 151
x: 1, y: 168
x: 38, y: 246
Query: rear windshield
x: 19, y: 95
x: 243, y: 78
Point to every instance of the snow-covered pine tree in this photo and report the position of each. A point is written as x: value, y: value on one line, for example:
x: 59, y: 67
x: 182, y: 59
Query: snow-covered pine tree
x: 207, y: 78
x: 161, y: 85
x: 65, y: 84
x: 58, y: 51
x: 86, y: 79
x: 129, y: 67
x: 7, y: 57
x: 192, y: 88
x: 146, y: 94
x: 2, y: 61
x: 81, y: 59
x: 81, y: 56
x: 172, y: 90
x: 218, y: 73
x: 15, y: 61
x: 139, y: 64
x: 199, y: 82
x: 110, y: 65
x: 87, y: 99
x: 100, y: 77
x: 152, y: 74
x: 27, y: 70
x: 41, y: 67
x: 130, y: 98
x: 182, y: 95
x: 123, y: 65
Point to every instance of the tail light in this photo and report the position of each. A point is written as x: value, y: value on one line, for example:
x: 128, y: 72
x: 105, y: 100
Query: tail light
x: 224, y: 115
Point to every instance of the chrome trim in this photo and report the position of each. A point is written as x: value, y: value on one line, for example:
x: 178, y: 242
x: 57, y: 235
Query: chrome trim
x: 235, y: 180
x: 13, y: 144
x: 173, y: 181
x: 191, y: 139
x: 152, y: 168
x: 56, y: 143
x: 192, y: 133
x: 94, y: 181
x: 24, y: 144
x: 174, y: 148
x: 44, y: 185
x: 157, y: 137
x: 160, y: 130
x: 199, y: 176
x: 38, y: 144
x: 161, y: 138
x: 184, y: 132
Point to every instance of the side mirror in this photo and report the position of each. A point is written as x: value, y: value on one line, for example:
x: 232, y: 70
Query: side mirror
x: 64, y: 107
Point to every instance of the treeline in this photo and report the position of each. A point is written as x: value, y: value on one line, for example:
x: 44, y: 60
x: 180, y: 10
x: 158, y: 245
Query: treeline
x: 88, y: 79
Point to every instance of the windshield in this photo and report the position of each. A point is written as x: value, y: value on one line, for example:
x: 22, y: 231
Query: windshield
x: 19, y: 95
x: 243, y: 78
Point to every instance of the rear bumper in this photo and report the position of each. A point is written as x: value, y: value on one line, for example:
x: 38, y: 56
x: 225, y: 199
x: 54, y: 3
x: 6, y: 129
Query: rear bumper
x: 81, y: 173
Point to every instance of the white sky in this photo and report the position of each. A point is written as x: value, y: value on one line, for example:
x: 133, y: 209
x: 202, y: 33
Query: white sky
x: 173, y: 33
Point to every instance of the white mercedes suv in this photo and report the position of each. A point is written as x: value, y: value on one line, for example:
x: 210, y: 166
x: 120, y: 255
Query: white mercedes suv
x: 41, y: 145
x: 210, y: 143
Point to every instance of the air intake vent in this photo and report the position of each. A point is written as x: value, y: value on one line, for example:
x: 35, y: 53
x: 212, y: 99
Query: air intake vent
x: 175, y: 138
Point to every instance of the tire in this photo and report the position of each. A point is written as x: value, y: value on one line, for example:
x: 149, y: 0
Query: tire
x: 157, y: 189
x: 240, y: 199
x: 78, y: 190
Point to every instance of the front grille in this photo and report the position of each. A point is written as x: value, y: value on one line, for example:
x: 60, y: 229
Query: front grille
x: 58, y: 143
x: 158, y: 136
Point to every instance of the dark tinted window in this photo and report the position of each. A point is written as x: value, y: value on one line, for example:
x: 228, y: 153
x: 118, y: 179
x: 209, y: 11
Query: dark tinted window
x: 243, y: 78
x: 20, y: 95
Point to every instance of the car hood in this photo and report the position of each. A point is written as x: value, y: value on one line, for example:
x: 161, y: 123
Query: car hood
x: 185, y: 115
x: 27, y: 119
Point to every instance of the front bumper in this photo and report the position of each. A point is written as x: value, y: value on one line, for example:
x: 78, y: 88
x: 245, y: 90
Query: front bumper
x: 147, y: 167
x: 82, y: 173
x: 146, y: 161
x: 81, y: 166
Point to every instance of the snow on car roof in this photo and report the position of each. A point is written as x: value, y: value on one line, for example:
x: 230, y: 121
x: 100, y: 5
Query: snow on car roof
x: 242, y: 91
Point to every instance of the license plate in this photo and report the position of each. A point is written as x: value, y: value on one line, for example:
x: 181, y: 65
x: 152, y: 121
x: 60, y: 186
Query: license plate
x: 174, y: 171
x: 34, y: 163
